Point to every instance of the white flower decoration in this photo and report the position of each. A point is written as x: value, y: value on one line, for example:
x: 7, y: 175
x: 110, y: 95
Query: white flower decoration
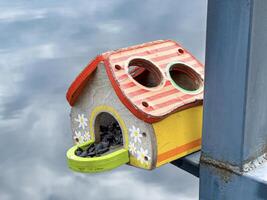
x: 82, y: 121
x: 82, y: 140
x: 142, y: 156
x: 132, y: 148
x: 78, y: 137
x: 135, y: 134
x: 87, y: 136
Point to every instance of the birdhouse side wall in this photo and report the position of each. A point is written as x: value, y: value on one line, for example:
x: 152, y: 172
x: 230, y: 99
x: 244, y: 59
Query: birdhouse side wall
x: 179, y: 134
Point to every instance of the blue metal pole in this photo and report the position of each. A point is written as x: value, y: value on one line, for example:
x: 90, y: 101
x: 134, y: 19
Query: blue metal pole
x: 234, y: 144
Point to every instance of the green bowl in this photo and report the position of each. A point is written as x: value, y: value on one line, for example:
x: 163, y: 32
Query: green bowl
x: 96, y: 164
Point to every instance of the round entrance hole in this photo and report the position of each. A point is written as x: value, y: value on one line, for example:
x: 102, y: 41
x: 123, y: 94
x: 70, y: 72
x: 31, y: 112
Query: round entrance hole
x: 107, y: 130
x: 145, y: 73
x: 185, y: 78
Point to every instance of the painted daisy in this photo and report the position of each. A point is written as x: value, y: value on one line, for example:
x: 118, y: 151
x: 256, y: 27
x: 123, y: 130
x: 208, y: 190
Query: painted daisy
x: 82, y: 121
x: 142, y: 156
x: 132, y: 148
x: 87, y: 136
x: 78, y: 137
x: 135, y: 134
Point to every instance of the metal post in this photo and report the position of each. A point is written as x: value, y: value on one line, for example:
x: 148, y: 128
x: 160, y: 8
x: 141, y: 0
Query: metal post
x: 234, y: 145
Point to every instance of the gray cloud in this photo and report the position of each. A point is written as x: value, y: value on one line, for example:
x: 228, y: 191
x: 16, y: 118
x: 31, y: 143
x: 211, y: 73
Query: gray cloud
x: 44, y: 45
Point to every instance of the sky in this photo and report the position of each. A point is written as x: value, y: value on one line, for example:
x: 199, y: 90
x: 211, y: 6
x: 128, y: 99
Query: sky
x: 43, y: 46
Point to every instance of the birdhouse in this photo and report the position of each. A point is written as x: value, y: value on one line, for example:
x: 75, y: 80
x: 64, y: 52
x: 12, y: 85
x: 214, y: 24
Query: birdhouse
x: 140, y: 106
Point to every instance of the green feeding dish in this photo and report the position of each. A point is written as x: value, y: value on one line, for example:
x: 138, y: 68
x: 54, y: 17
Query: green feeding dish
x: 102, y: 163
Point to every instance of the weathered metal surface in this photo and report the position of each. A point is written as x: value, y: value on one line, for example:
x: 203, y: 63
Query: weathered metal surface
x: 233, y: 163
x: 235, y: 104
x: 225, y: 85
x: 259, y: 174
x: 189, y: 163
x: 221, y: 184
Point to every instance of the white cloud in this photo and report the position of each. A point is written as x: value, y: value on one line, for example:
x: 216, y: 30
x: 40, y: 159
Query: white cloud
x: 20, y: 14
x: 110, y: 27
x: 40, y: 182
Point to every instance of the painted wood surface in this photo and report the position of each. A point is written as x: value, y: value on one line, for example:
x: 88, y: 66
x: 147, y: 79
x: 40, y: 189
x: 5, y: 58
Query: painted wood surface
x: 149, y: 105
x: 178, y: 135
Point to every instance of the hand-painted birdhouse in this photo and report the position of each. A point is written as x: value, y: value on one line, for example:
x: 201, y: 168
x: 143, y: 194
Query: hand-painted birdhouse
x: 140, y: 105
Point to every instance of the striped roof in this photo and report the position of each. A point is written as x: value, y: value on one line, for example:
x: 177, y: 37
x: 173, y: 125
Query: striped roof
x: 162, y: 101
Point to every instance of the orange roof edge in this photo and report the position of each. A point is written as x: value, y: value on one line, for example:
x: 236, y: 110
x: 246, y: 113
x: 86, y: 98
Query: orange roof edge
x: 78, y: 84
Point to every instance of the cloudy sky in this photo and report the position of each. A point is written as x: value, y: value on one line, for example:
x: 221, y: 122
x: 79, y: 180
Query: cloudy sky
x: 43, y: 46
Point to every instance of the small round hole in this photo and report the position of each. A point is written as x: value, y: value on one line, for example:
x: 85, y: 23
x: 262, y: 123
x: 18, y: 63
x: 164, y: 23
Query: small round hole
x: 76, y: 139
x: 181, y: 51
x: 145, y: 73
x: 145, y: 104
x: 117, y: 67
x: 146, y: 158
x: 185, y: 78
x: 144, y: 134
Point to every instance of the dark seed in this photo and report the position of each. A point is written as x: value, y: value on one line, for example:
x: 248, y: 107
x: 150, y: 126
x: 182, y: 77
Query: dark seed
x: 105, y: 144
x: 103, y: 128
x: 110, y: 127
x: 101, y: 151
x: 78, y: 151
x: 91, y: 154
x: 110, y: 136
x: 83, y: 154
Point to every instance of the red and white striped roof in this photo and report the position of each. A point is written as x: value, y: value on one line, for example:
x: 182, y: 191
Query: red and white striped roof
x: 164, y: 100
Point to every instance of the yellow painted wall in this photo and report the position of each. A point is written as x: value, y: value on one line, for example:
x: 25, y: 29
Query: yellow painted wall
x: 179, y: 134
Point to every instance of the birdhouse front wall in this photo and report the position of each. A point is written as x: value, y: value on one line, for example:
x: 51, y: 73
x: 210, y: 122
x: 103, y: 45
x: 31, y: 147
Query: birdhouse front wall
x: 98, y: 96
